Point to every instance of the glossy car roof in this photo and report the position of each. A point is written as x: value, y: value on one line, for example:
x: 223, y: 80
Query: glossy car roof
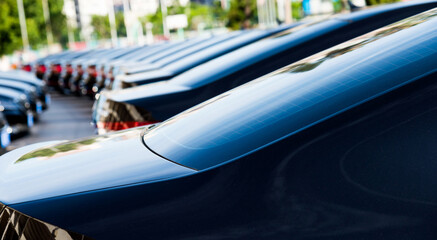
x: 16, y: 84
x: 244, y: 57
x: 182, y: 62
x: 22, y: 77
x: 300, y: 95
x: 185, y: 52
x: 10, y: 93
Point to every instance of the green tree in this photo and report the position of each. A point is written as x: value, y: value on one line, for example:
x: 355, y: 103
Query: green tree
x: 119, y: 23
x: 155, y: 20
x: 102, y: 28
x: 36, y: 25
x: 376, y: 2
x: 58, y: 21
x: 10, y: 38
x: 10, y: 32
x: 242, y: 14
x: 211, y: 16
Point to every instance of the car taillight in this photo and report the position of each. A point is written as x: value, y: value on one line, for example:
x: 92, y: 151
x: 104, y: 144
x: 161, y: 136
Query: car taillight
x: 112, y: 116
x: 57, y: 68
x: 115, y: 126
x: 92, y: 72
x: 27, y: 68
x: 41, y: 68
x: 69, y: 70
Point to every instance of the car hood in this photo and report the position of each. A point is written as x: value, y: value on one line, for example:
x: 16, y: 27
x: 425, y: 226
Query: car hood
x: 58, y: 168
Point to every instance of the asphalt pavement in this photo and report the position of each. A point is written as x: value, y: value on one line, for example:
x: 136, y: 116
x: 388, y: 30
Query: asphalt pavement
x: 67, y: 118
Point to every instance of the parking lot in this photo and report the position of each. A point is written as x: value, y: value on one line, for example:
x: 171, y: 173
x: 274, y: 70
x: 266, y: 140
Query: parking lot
x: 317, y: 130
x: 67, y: 118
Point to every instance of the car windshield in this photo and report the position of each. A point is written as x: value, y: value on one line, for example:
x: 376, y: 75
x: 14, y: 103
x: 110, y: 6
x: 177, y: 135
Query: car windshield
x: 298, y: 96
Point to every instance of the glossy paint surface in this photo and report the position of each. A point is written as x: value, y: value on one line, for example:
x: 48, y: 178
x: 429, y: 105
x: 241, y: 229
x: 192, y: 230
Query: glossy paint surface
x: 181, y: 62
x: 11, y: 93
x: 186, y: 52
x: 174, y: 48
x: 262, y: 57
x: 45, y: 170
x: 17, y: 85
x: 299, y: 95
x: 22, y: 77
x: 365, y: 173
x: 30, y: 91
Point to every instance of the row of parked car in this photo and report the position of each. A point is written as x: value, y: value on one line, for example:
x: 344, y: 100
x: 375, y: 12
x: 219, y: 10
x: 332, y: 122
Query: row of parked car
x: 318, y: 130
x: 23, y: 98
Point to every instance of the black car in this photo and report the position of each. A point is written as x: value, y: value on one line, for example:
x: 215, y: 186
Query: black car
x: 5, y: 132
x: 157, y: 102
x: 54, y: 68
x: 182, y: 61
x: 29, y: 91
x: 41, y: 66
x: 94, y: 69
x: 85, y: 66
x: 79, y: 66
x: 107, y: 67
x: 291, y: 46
x: 340, y: 145
x: 17, y: 111
x: 67, y: 68
x: 24, y: 77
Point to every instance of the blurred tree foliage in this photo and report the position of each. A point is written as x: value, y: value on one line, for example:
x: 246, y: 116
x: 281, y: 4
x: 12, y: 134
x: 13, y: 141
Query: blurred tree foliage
x: 119, y: 24
x: 101, y: 26
x: 198, y: 15
x: 155, y: 20
x: 376, y: 2
x: 242, y: 14
x: 10, y: 38
x: 10, y: 33
x: 102, y: 29
x: 297, y: 10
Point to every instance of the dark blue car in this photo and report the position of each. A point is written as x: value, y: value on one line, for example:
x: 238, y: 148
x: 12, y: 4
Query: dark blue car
x: 340, y: 145
x: 29, y: 79
x: 285, y: 47
x: 17, y: 109
x: 28, y: 90
x: 177, y: 63
x: 157, y: 102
